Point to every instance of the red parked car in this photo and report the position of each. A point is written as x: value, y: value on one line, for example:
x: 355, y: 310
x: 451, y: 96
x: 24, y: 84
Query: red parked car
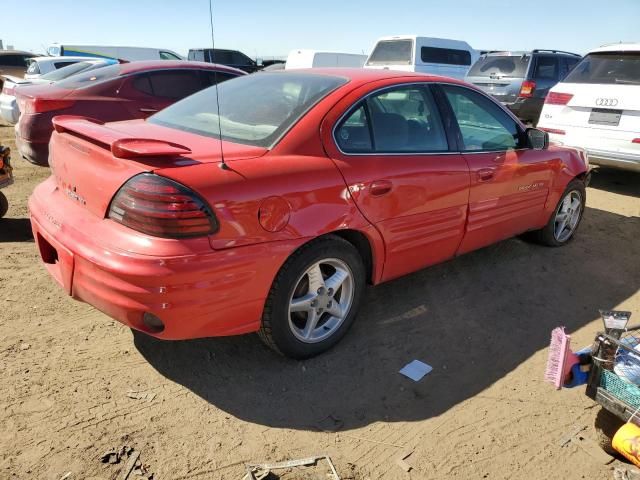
x: 118, y: 92
x: 322, y: 181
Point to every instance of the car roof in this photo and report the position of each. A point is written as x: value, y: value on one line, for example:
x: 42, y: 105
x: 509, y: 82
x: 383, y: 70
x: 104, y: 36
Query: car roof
x: 16, y: 52
x: 618, y: 47
x: 502, y: 53
x: 150, y: 65
x: 366, y: 75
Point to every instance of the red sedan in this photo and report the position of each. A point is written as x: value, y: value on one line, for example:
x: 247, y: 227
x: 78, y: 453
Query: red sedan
x: 273, y: 212
x: 118, y: 92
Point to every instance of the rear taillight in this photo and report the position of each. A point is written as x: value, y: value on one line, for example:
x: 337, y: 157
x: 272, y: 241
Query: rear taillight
x: 553, y: 130
x: 160, y: 207
x: 555, y: 98
x: 527, y: 88
x: 41, y: 105
x: 8, y: 90
x: 635, y: 140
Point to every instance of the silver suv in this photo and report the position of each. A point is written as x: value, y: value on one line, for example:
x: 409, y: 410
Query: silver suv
x: 521, y: 80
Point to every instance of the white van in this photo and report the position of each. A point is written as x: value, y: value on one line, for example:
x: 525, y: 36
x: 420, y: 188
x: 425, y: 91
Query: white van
x: 411, y: 53
x: 597, y: 107
x: 119, y: 53
x: 319, y: 59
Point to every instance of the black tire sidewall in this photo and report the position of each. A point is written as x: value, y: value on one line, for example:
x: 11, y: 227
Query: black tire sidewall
x: 4, y: 205
x: 281, y: 333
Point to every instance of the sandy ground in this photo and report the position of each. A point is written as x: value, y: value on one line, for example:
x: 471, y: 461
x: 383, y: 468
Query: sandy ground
x: 482, y: 320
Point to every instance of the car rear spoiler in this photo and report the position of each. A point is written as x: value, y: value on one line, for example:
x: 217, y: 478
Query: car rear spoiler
x: 121, y: 145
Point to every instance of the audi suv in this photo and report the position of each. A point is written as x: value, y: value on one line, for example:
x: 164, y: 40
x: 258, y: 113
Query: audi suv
x: 597, y: 107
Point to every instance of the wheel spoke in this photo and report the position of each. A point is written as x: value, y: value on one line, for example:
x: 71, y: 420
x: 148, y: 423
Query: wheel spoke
x: 310, y: 326
x: 302, y: 304
x: 560, y: 227
x: 335, y: 310
x: 335, y: 281
x: 566, y: 203
x: 315, y: 279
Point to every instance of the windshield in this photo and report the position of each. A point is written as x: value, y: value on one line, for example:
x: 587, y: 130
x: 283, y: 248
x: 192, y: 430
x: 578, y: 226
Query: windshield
x: 86, y: 79
x: 500, y: 66
x: 607, y: 68
x: 69, y: 70
x: 254, y: 109
x: 391, y: 52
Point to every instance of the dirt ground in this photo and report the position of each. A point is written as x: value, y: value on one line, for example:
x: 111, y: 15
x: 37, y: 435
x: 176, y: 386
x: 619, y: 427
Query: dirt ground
x: 68, y: 373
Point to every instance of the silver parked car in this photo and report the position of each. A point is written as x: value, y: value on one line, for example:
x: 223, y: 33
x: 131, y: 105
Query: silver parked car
x: 9, y: 107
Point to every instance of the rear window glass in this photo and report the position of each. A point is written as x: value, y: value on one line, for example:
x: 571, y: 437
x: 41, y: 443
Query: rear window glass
x: 391, y: 52
x: 254, y: 109
x: 62, y: 64
x: 86, y: 79
x: 607, y: 68
x: 501, y: 66
x: 447, y: 56
x: 67, y: 71
x: 14, y: 60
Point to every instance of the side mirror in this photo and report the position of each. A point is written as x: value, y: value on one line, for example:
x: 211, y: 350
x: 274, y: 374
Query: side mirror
x: 538, y: 140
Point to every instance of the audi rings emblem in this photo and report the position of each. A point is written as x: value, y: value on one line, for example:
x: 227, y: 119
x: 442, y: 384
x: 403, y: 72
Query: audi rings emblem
x: 606, y: 102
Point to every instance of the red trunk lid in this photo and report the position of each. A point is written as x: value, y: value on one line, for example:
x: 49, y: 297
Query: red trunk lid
x: 91, y: 160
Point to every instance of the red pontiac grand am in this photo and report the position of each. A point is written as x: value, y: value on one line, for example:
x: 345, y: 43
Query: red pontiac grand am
x: 272, y: 213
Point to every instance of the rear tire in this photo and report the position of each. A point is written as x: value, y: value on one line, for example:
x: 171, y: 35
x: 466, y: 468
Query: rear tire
x: 566, y: 217
x: 606, y: 426
x: 4, y: 205
x: 314, y: 298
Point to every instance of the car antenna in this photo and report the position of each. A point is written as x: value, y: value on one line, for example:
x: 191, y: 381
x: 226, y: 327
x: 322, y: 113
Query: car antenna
x: 223, y: 164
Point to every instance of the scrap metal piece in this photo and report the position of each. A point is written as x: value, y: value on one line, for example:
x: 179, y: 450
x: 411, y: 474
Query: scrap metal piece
x: 252, y: 469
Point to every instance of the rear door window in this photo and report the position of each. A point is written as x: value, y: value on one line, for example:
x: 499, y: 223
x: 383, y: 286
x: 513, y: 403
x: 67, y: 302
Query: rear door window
x: 142, y: 84
x: 389, y: 52
x: 607, y: 68
x: 175, y: 84
x: 447, y: 56
x: 354, y: 134
x: 484, y: 126
x: 514, y: 66
x: 402, y: 120
x: 547, y: 68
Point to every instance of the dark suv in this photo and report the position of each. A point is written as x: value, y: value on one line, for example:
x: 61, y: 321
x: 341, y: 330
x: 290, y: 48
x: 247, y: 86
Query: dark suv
x: 521, y: 80
x: 230, y: 58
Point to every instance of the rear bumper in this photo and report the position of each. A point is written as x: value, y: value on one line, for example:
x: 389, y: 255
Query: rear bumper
x: 33, y: 152
x: 598, y: 155
x: 211, y: 293
x: 614, y: 160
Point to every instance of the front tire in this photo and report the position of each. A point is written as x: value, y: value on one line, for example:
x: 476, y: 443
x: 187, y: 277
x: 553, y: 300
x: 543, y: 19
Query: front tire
x: 566, y: 217
x: 4, y: 205
x: 314, y: 299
